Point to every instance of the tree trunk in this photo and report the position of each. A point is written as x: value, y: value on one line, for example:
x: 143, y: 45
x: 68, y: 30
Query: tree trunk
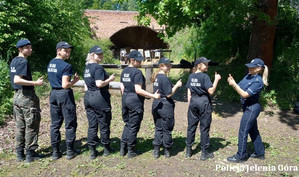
x: 263, y: 32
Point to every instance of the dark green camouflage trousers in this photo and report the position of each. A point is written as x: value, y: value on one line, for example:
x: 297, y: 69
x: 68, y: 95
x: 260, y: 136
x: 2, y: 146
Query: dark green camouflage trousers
x: 27, y: 115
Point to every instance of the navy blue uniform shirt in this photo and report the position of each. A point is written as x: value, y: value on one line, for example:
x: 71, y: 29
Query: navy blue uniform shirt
x: 56, y: 69
x: 93, y: 72
x: 19, y: 66
x: 199, y: 83
x: 253, y: 85
x: 131, y: 76
x: 163, y: 84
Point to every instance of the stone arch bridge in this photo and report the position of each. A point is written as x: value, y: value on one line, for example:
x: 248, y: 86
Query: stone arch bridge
x: 122, y: 29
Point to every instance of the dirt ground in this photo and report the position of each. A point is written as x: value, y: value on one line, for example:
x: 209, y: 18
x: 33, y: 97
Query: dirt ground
x: 279, y: 131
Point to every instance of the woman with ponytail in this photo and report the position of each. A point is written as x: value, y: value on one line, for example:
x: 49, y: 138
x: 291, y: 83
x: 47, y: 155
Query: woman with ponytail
x: 134, y: 92
x: 249, y: 88
x: 163, y: 108
x: 97, y: 101
x: 200, y: 88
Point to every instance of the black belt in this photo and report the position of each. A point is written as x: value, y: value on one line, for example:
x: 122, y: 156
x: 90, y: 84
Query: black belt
x: 198, y: 95
x: 57, y: 88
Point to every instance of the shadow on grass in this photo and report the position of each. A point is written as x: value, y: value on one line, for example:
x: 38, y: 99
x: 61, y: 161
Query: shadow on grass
x: 215, y: 145
x: 179, y: 145
x: 47, y: 152
x: 290, y: 118
x: 144, y: 145
x: 250, y: 147
x: 226, y: 109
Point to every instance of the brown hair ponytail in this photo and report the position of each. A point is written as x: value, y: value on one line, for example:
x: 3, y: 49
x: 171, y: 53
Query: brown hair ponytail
x: 154, y: 76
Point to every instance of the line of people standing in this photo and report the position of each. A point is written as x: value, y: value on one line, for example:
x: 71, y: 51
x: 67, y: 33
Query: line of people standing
x: 98, y: 105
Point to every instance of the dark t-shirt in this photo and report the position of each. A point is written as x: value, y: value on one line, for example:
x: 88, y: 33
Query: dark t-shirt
x: 20, y: 66
x: 56, y: 69
x: 253, y: 85
x: 199, y: 83
x: 163, y: 84
x: 93, y: 72
x: 131, y: 76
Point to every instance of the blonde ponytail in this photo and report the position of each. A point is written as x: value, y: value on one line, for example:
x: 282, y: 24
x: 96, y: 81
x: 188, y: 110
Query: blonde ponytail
x: 265, y: 75
x: 89, y: 58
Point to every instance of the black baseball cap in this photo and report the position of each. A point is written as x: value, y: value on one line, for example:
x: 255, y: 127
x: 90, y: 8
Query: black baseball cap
x: 63, y: 45
x: 164, y: 60
x: 136, y: 55
x: 257, y: 62
x: 23, y: 42
x: 96, y: 49
x: 201, y: 60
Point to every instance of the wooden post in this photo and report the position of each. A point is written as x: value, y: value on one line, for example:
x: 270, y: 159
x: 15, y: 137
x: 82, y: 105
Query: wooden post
x: 148, y: 75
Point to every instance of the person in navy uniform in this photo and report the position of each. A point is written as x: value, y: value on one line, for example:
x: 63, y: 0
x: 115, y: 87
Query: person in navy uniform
x: 133, y: 94
x: 62, y: 102
x: 163, y: 108
x: 249, y: 88
x: 97, y: 101
x: 26, y: 106
x: 200, y: 88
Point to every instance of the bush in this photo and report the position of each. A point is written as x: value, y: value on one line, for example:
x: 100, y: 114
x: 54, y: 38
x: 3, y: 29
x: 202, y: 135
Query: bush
x: 44, y: 90
x: 6, y: 92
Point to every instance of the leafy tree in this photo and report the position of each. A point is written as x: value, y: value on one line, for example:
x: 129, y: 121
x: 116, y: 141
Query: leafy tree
x: 5, y: 91
x: 44, y: 23
x: 214, y: 15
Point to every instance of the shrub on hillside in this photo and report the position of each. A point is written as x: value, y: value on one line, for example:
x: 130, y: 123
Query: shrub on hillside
x: 6, y: 92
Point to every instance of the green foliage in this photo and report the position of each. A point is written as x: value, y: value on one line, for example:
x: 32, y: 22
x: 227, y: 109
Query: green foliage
x: 44, y: 23
x: 177, y: 14
x: 284, y: 78
x: 6, y: 92
x: 221, y: 31
x: 215, y: 30
x: 105, y: 44
x: 44, y: 90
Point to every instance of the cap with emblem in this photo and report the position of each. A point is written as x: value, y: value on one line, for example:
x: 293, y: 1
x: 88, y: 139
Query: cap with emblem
x: 257, y: 62
x: 136, y: 55
x: 96, y: 49
x: 201, y: 60
x: 23, y: 42
x: 63, y: 45
x: 164, y: 60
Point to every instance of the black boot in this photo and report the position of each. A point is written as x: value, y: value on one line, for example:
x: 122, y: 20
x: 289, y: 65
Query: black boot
x: 107, y: 150
x: 71, y: 152
x: 156, y: 152
x: 188, y: 151
x: 31, y: 155
x: 206, y: 155
x: 56, y: 153
x: 20, y: 154
x: 93, y: 152
x: 122, y: 151
x: 131, y: 152
x: 167, y: 152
